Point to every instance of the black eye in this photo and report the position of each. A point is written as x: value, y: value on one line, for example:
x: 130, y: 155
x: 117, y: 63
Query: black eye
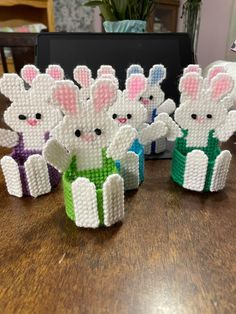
x: 77, y: 133
x: 194, y: 116
x: 141, y: 98
x: 38, y: 116
x: 151, y: 97
x: 129, y: 116
x: 98, y: 131
x: 209, y: 116
x: 114, y: 116
x: 22, y: 117
x: 88, y: 98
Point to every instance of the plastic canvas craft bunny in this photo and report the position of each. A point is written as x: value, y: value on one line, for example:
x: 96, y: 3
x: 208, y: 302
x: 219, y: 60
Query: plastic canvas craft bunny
x: 198, y: 163
x: 129, y: 111
x: 153, y: 100
x: 31, y: 117
x: 85, y: 146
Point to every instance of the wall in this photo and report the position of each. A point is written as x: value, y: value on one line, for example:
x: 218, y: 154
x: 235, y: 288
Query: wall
x: 214, y: 29
x: 230, y: 55
x: 213, y: 42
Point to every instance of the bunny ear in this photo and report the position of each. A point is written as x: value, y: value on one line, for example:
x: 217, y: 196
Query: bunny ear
x: 103, y: 94
x: 193, y: 68
x: 221, y: 85
x: 12, y: 86
x: 106, y: 69
x: 190, y: 85
x: 66, y: 94
x: 83, y: 76
x: 157, y: 74
x: 29, y: 73
x: 136, y: 85
x: 134, y: 69
x: 214, y: 71
x: 112, y: 78
x: 41, y: 87
x: 55, y: 71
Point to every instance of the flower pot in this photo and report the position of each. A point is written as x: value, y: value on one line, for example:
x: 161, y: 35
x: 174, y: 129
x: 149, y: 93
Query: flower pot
x: 125, y: 26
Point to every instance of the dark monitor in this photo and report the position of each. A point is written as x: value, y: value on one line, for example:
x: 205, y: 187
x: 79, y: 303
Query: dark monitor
x: 173, y: 50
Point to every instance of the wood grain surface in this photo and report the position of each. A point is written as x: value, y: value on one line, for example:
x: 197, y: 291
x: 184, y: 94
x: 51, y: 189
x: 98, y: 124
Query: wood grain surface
x: 175, y: 252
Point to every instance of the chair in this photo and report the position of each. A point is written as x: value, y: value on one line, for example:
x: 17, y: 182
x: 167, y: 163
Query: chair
x: 22, y: 49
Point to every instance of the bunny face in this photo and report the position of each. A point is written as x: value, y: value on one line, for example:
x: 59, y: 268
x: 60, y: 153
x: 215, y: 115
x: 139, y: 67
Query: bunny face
x: 128, y: 112
x: 200, y: 114
x: 153, y: 96
x: 29, y: 118
x: 127, y: 109
x: 85, y: 126
x: 84, y: 130
x: 30, y: 111
x: 203, y: 108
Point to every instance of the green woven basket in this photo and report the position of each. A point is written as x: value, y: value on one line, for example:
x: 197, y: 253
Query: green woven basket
x: 178, y: 169
x: 97, y: 176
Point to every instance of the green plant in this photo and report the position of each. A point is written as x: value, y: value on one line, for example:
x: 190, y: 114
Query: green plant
x: 190, y: 14
x: 117, y: 10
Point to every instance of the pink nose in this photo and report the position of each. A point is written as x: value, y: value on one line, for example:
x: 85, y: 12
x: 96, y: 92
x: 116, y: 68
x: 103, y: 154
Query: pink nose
x: 32, y: 122
x: 200, y: 119
x: 145, y: 101
x: 122, y: 120
x: 88, y: 137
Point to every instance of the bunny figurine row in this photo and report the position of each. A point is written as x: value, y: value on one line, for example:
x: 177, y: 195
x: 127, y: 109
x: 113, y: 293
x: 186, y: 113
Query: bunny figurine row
x: 31, y: 118
x: 153, y: 98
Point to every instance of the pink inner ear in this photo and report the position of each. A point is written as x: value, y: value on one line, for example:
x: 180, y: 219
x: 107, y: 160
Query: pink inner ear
x: 193, y: 68
x: 214, y: 71
x: 190, y: 85
x: 55, y: 72
x: 29, y: 73
x: 66, y: 96
x: 135, y: 86
x: 104, y: 70
x: 103, y: 95
x: 221, y: 86
x: 82, y: 76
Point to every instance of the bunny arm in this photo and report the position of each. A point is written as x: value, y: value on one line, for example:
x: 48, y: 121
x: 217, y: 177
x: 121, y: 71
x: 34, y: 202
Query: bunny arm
x: 168, y: 106
x: 121, y: 143
x: 225, y: 131
x: 174, y: 130
x: 8, y: 138
x: 152, y: 132
x: 56, y: 155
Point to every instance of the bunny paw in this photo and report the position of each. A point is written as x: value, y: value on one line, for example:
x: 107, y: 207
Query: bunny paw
x: 85, y: 203
x: 113, y: 199
x: 12, y: 176
x: 129, y: 170
x: 37, y: 175
x: 220, y: 171
x: 195, y: 170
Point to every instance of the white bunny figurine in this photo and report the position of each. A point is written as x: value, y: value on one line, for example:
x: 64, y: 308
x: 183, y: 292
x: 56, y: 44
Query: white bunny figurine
x: 31, y: 118
x: 129, y: 111
x: 198, y: 163
x: 153, y: 100
x: 85, y: 146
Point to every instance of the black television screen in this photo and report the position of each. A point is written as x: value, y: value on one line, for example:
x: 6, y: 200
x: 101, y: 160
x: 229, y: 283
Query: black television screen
x: 120, y: 50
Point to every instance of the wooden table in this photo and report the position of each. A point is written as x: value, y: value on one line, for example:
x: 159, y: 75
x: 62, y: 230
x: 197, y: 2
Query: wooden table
x: 174, y: 253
